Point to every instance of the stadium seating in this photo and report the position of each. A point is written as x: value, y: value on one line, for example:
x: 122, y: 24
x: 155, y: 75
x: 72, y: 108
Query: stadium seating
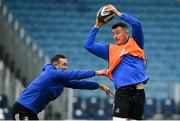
x: 92, y: 105
x: 77, y: 102
x: 50, y: 27
x: 108, y: 105
x: 168, y: 107
x: 59, y: 26
x: 80, y: 114
x: 3, y: 101
x: 100, y: 114
x: 7, y: 113
x: 5, y: 110
x: 150, y: 108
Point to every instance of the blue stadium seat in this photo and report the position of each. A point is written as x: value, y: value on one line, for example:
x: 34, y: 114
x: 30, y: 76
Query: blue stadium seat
x: 80, y: 114
x: 168, y: 107
x: 7, y: 113
x: 92, y: 105
x: 150, y: 108
x: 77, y: 102
x: 3, y: 101
x: 108, y: 105
x: 100, y: 114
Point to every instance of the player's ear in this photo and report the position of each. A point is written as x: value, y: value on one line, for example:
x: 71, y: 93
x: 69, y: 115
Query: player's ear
x: 127, y: 33
x: 55, y: 63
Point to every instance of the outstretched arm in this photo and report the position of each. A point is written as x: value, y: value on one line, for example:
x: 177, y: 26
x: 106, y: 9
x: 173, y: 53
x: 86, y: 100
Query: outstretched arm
x: 85, y: 84
x: 70, y: 75
x: 82, y: 84
x: 65, y: 75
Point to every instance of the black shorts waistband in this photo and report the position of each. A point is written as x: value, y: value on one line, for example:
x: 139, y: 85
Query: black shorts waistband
x: 129, y: 87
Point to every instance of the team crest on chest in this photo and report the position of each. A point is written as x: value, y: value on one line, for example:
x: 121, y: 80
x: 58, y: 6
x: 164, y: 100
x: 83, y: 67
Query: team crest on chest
x: 123, y: 52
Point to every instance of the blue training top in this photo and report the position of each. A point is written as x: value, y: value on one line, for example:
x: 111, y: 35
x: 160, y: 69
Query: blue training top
x: 50, y: 84
x: 131, y: 70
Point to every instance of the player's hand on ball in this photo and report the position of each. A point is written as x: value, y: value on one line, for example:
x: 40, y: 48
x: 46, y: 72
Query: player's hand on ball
x: 99, y: 23
x: 106, y: 89
x: 111, y: 8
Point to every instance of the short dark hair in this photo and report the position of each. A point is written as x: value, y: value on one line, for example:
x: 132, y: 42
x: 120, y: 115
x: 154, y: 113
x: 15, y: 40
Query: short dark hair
x: 120, y: 24
x: 55, y: 58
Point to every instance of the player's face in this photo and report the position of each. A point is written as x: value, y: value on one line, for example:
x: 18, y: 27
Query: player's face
x: 62, y: 64
x: 120, y: 35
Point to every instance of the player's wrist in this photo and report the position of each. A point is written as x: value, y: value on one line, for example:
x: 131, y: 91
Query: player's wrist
x: 100, y: 86
x: 98, y: 25
x: 116, y: 12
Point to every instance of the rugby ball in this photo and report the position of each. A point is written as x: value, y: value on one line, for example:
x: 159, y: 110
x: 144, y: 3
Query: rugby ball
x: 104, y: 16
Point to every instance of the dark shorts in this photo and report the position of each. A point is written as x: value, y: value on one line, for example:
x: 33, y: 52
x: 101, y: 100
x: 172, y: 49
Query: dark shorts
x: 19, y: 112
x: 129, y: 103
